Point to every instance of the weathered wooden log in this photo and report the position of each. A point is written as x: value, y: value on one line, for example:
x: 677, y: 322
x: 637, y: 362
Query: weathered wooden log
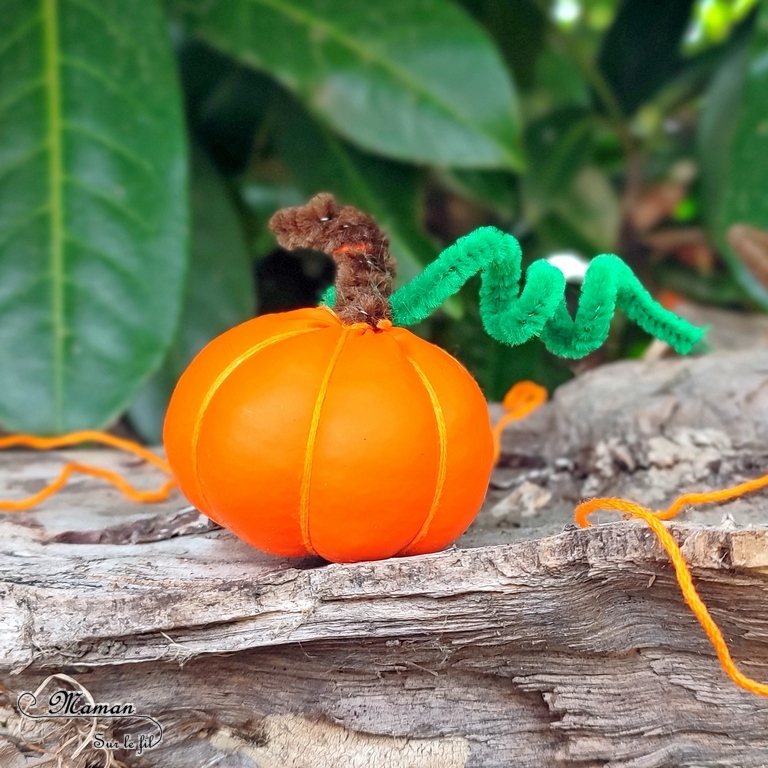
x: 531, y: 643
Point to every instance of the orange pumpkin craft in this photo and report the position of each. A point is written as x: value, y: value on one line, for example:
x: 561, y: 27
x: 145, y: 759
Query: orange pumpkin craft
x: 337, y: 432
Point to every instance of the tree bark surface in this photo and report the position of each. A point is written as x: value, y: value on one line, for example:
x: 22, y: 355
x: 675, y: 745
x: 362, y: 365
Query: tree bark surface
x: 530, y: 643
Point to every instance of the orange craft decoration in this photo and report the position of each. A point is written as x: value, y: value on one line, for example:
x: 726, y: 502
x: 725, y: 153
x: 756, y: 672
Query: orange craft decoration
x: 331, y: 431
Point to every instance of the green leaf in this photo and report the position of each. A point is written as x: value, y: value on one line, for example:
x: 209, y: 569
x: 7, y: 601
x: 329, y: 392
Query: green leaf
x: 220, y: 292
x: 559, y: 145
x: 737, y: 190
x: 320, y: 161
x: 520, y: 30
x: 221, y: 107
x: 417, y: 81
x: 569, y: 201
x: 714, y: 21
x: 558, y: 83
x: 585, y: 218
x: 717, y: 126
x: 641, y: 50
x: 495, y: 190
x: 93, y: 211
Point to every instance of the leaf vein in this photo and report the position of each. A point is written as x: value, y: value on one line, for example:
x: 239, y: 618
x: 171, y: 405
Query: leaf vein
x: 372, y: 56
x: 22, y: 159
x: 55, y: 171
x: 118, y: 148
x: 25, y: 290
x: 84, y: 67
x: 15, y: 225
x: 125, y: 211
x: 110, y: 311
x: 109, y: 25
x: 16, y: 96
x: 104, y: 256
x: 19, y: 33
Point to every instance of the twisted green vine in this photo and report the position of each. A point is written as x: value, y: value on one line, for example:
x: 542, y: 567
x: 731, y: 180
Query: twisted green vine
x: 513, y: 316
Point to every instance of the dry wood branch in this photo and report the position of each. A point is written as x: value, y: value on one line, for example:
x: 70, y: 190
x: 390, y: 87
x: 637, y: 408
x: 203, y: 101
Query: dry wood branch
x: 531, y: 644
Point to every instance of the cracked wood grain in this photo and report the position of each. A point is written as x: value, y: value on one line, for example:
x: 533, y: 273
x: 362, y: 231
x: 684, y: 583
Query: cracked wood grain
x: 531, y: 643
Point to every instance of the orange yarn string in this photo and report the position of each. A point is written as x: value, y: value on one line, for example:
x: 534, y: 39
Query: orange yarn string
x: 73, y: 438
x: 524, y: 398
x: 682, y: 572
x: 725, y: 494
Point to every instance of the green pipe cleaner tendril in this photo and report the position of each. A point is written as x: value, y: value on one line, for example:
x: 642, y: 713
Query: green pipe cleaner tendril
x: 513, y: 316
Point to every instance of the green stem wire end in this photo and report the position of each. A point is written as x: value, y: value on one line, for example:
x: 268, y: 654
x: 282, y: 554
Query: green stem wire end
x: 513, y: 316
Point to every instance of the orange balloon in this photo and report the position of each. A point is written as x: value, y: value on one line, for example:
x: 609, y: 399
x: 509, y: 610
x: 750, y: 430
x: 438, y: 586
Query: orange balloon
x: 306, y: 436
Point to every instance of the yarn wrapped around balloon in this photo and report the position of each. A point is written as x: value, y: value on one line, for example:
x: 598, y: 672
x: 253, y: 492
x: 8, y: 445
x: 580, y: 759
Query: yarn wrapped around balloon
x: 304, y: 435
x: 335, y: 431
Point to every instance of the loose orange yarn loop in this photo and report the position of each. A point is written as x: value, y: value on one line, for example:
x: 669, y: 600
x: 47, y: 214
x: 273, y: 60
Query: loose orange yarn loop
x: 114, y: 478
x: 524, y: 398
x: 682, y: 572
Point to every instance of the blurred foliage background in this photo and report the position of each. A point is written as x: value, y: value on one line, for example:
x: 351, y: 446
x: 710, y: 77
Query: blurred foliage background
x: 143, y: 147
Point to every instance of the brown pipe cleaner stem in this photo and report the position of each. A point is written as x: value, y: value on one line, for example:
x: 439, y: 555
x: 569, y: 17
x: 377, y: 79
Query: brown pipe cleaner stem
x: 364, y: 266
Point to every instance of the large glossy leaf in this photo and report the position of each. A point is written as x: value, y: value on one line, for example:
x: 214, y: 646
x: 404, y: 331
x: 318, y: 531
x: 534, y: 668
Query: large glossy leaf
x: 311, y: 158
x: 641, y: 50
x: 320, y: 161
x: 220, y: 291
x: 734, y: 152
x: 560, y: 145
x: 520, y: 29
x: 92, y: 208
x: 417, y: 81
